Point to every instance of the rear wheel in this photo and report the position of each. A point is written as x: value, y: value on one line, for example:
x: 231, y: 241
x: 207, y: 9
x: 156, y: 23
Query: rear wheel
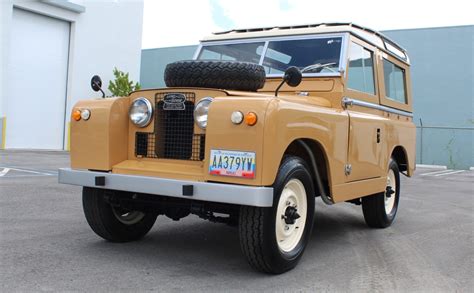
x: 274, y: 239
x: 380, y: 209
x: 114, y: 223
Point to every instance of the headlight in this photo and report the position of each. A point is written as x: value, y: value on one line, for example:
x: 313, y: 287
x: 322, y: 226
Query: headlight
x: 200, y: 112
x: 140, y: 112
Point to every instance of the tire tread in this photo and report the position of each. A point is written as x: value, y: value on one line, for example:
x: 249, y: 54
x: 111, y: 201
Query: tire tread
x: 100, y: 217
x: 373, y: 206
x: 231, y: 75
x: 256, y: 224
x: 251, y: 237
x: 92, y: 213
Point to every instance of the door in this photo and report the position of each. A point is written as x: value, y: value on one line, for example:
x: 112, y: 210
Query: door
x: 37, y: 77
x: 366, y: 125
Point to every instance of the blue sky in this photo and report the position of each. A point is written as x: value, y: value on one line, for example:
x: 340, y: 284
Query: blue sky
x: 218, y: 16
x: 185, y: 22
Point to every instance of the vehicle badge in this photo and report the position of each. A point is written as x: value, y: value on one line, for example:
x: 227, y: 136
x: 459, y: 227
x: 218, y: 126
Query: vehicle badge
x: 174, y: 102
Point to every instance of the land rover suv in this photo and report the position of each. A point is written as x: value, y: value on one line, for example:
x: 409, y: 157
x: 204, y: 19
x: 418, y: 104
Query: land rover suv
x: 250, y: 132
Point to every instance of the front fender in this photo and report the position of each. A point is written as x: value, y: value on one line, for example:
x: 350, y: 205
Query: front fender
x: 222, y: 134
x: 290, y: 119
x: 100, y: 142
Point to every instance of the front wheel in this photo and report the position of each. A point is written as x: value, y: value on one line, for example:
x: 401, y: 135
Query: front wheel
x: 114, y: 223
x: 273, y: 239
x: 380, y: 209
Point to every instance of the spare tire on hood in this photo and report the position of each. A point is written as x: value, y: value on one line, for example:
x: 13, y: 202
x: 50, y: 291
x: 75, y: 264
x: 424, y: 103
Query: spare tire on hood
x: 230, y: 75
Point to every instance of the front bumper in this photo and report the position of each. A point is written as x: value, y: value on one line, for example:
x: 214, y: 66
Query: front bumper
x: 204, y: 191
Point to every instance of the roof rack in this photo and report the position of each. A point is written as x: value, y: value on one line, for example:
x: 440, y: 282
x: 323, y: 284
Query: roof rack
x: 289, y: 27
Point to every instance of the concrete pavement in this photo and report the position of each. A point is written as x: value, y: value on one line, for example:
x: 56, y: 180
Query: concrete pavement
x: 46, y: 243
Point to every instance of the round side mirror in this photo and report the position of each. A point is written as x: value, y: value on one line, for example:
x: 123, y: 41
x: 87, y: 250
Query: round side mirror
x: 293, y: 76
x: 96, y: 83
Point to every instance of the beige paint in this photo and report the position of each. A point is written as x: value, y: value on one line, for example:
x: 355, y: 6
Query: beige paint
x: 312, y: 110
x: 100, y: 142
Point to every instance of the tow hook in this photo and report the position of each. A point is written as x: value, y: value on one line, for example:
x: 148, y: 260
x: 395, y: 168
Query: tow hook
x: 389, y: 191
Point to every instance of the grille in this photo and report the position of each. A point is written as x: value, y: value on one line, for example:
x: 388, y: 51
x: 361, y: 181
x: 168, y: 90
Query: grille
x: 174, y: 136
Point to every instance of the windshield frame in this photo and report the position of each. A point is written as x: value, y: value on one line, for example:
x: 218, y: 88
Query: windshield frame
x: 342, y: 56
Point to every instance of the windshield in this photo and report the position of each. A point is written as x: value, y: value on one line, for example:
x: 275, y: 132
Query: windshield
x: 248, y: 52
x: 315, y: 55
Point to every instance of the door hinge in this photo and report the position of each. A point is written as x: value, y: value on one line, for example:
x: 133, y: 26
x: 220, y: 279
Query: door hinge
x: 347, y: 169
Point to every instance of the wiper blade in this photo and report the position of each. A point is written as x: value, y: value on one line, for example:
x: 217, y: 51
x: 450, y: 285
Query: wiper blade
x: 316, y: 66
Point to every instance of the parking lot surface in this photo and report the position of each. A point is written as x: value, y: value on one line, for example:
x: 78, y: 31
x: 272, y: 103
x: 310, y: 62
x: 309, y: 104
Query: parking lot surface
x: 46, y: 243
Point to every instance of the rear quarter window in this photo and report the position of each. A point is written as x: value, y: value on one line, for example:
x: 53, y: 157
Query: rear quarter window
x: 395, y: 85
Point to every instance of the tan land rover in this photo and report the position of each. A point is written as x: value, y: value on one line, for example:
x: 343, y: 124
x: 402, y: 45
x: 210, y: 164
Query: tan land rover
x: 254, y: 128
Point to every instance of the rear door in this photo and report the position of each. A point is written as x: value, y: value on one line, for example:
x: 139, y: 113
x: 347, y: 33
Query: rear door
x: 366, y: 125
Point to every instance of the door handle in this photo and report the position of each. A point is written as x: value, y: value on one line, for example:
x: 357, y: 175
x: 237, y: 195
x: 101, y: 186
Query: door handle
x: 378, y: 135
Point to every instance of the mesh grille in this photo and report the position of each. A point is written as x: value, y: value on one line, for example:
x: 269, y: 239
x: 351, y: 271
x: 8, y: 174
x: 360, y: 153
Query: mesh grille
x: 141, y: 144
x: 174, y: 136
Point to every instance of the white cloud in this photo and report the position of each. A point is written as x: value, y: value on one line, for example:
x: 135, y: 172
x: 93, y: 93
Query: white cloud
x: 181, y: 22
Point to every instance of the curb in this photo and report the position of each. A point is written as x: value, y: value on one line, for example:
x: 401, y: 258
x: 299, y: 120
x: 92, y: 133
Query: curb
x: 431, y: 166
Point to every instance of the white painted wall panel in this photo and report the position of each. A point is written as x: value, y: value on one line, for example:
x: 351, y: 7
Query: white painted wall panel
x: 106, y: 34
x: 37, y: 79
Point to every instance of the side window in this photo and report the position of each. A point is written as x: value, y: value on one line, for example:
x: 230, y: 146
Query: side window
x: 394, y: 77
x: 361, y: 69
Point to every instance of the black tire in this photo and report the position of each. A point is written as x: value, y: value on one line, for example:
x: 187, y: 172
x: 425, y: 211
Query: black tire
x: 373, y: 206
x: 257, y: 226
x: 103, y: 220
x: 231, y: 75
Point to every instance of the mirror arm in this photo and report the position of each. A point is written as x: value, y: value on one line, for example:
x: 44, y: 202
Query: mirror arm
x: 285, y: 78
x: 100, y: 89
x: 292, y: 77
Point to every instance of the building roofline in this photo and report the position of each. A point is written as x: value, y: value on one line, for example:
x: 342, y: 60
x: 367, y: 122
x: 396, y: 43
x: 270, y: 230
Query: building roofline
x: 171, y: 47
x: 429, y: 28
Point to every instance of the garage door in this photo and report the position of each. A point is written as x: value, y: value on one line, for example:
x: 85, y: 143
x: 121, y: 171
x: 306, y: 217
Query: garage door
x: 37, y: 75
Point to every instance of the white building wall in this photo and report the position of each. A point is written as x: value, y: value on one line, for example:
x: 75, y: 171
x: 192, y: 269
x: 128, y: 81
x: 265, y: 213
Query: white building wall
x: 105, y: 35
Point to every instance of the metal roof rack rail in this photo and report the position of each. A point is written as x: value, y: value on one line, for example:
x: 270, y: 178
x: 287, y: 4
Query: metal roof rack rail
x: 288, y: 27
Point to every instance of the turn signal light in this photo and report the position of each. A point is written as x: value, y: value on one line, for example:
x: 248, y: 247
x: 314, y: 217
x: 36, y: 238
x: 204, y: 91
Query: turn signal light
x: 76, y: 115
x: 251, y: 118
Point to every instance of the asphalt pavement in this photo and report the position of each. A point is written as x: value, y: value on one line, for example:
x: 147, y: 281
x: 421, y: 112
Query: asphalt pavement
x: 47, y: 245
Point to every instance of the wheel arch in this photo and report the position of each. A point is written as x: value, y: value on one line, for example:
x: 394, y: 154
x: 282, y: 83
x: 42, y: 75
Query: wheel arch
x: 297, y: 148
x: 399, y: 154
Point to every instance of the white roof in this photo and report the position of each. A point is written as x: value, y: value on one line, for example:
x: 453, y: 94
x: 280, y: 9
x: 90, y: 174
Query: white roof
x: 374, y: 37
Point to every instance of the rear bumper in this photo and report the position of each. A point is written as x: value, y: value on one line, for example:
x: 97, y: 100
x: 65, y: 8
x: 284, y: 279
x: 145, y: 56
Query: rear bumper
x: 203, y: 191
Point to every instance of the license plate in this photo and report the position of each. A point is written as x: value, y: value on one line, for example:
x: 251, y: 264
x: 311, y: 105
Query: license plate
x: 232, y: 163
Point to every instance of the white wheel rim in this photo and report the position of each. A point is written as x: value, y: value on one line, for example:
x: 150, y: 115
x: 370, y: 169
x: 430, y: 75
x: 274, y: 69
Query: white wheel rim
x: 128, y: 217
x: 289, y: 235
x: 390, y: 200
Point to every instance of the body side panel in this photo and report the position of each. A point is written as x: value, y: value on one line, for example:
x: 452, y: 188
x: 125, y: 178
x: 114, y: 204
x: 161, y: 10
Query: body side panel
x: 101, y: 141
x: 288, y: 120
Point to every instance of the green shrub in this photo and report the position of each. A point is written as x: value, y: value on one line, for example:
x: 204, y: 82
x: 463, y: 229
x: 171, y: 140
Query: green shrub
x: 122, y: 86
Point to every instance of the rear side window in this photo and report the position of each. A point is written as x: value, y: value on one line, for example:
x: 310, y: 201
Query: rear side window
x: 361, y: 69
x: 394, y: 77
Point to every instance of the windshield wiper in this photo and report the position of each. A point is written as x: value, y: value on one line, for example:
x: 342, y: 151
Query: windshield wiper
x: 318, y: 67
